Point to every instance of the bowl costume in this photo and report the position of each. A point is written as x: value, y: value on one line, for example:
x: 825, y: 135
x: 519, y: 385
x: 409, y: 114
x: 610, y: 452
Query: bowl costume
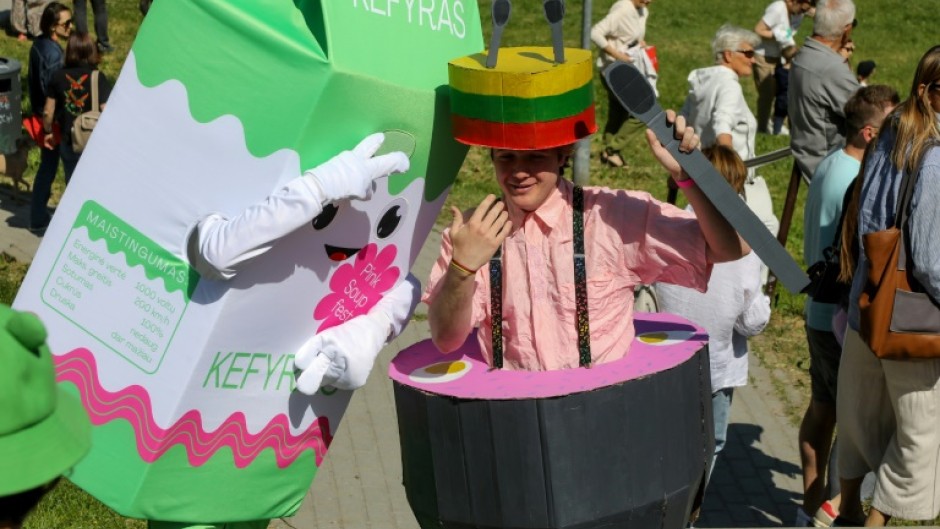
x: 508, y: 430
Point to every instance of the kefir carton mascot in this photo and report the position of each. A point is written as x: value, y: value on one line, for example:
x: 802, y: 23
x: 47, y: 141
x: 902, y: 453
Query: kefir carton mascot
x: 233, y: 250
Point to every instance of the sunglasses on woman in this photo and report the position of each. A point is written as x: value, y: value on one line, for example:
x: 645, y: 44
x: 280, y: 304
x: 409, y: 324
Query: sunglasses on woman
x: 747, y: 53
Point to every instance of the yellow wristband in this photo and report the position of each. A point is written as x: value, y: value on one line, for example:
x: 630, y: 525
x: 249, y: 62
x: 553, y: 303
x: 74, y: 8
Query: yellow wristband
x: 461, y: 268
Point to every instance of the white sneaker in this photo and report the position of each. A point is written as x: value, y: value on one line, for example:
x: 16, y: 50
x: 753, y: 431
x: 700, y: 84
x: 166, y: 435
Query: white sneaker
x: 784, y: 131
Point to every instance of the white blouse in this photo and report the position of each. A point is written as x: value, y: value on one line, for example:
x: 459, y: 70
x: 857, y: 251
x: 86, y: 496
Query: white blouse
x: 733, y: 308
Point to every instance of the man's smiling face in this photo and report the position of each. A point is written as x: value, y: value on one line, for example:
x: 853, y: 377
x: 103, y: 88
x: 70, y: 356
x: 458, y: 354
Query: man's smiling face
x: 527, y: 178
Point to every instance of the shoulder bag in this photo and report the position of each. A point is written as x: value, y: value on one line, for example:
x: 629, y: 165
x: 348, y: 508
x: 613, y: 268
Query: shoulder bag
x: 898, y: 319
x: 85, y: 122
x: 824, y: 285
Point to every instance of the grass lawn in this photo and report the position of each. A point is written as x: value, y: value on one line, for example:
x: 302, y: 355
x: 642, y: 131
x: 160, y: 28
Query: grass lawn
x: 894, y: 33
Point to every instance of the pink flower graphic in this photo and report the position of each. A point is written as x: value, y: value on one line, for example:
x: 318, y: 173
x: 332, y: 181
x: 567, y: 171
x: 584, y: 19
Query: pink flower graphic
x: 357, y: 287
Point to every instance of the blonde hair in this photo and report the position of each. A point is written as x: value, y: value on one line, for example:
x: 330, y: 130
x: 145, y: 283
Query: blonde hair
x: 914, y: 121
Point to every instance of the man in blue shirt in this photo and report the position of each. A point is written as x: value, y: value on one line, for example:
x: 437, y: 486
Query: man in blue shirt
x: 864, y: 112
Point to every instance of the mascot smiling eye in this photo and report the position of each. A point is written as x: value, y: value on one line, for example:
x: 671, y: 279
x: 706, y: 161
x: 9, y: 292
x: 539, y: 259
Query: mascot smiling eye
x: 325, y: 217
x: 391, y: 219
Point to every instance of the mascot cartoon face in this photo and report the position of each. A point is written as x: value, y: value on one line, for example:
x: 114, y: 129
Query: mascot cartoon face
x: 366, y: 247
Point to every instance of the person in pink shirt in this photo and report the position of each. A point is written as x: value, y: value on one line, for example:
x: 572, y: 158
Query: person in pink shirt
x: 630, y: 238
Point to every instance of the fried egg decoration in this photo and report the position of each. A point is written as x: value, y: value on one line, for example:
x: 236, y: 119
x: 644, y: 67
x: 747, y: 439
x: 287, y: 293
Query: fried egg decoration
x: 440, y: 372
x: 664, y: 338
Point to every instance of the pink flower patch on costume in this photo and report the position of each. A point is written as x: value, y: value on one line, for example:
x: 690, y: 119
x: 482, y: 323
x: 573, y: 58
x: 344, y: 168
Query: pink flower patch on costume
x: 357, y: 287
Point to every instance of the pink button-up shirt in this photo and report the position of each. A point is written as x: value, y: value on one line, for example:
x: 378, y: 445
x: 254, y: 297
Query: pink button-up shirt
x: 630, y: 239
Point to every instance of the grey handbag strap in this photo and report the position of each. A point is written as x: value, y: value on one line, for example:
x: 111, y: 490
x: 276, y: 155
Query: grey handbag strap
x: 94, y: 92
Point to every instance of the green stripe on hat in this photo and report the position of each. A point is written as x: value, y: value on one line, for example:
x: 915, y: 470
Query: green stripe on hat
x: 509, y: 109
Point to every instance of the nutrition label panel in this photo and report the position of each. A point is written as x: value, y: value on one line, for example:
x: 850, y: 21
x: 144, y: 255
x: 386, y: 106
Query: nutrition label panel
x: 120, y: 287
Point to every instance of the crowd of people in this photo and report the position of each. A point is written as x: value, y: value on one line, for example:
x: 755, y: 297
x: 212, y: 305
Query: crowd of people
x: 26, y: 20
x: 62, y: 58
x: 832, y: 115
x: 855, y: 142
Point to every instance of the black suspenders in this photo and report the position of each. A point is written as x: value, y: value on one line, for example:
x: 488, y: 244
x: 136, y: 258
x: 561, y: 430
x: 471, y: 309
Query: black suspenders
x: 580, y: 281
x: 496, y: 305
x: 580, y: 289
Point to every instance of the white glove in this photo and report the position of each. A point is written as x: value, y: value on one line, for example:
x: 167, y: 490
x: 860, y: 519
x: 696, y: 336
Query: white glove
x: 343, y: 356
x: 219, y: 244
x: 784, y: 36
x: 350, y: 173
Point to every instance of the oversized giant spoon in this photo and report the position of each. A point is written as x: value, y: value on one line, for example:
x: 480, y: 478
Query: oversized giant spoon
x: 636, y: 95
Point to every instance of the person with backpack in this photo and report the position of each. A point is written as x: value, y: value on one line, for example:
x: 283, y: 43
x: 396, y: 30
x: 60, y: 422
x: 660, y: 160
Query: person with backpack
x: 864, y: 113
x: 74, y: 91
x: 45, y: 58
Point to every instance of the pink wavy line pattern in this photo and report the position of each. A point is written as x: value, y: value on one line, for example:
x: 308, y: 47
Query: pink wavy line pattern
x: 133, y: 405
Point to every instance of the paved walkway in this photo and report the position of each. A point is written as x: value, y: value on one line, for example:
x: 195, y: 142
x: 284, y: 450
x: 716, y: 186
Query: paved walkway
x: 756, y: 482
x: 15, y: 240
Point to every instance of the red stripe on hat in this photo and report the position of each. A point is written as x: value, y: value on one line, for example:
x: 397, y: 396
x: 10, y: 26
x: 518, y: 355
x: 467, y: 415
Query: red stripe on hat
x: 524, y: 136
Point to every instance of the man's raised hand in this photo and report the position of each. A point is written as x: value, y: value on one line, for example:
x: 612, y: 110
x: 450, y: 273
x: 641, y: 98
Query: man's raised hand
x: 476, y: 239
x: 688, y: 141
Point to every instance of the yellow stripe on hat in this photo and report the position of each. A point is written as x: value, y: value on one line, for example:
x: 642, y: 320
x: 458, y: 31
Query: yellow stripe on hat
x: 526, y: 72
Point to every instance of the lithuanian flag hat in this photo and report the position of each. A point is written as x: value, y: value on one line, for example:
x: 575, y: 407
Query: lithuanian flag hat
x: 529, y: 97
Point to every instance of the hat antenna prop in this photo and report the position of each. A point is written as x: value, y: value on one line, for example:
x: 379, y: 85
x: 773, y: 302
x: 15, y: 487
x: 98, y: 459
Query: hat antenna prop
x: 501, y: 10
x: 523, y: 97
x: 555, y: 13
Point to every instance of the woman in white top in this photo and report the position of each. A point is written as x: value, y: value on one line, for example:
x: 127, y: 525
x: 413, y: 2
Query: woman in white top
x: 621, y: 37
x: 776, y: 28
x: 716, y: 107
x: 733, y: 308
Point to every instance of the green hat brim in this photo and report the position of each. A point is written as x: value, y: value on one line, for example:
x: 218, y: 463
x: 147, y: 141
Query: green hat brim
x: 38, y: 454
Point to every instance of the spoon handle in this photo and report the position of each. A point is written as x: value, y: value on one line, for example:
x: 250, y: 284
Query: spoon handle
x: 555, y: 14
x: 501, y: 11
